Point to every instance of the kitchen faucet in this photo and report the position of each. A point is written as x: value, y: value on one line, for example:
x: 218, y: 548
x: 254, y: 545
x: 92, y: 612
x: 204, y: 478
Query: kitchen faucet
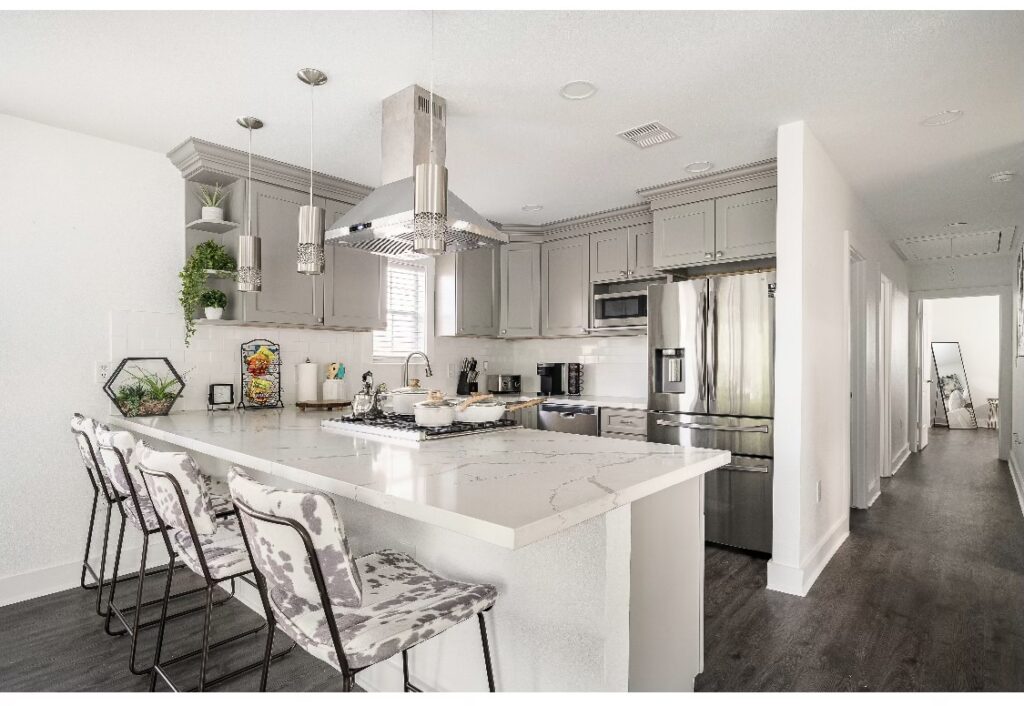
x: 405, y: 368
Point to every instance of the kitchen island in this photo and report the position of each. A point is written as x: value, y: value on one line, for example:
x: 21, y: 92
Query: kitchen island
x: 595, y: 545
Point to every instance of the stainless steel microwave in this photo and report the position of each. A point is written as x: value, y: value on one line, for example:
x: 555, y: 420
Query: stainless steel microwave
x: 620, y: 309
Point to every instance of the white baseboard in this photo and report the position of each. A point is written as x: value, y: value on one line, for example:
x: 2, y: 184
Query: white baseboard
x: 797, y: 580
x: 1018, y: 480
x: 60, y: 577
x: 901, y: 457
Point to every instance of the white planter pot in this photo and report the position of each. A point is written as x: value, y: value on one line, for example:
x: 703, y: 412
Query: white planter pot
x: 213, y: 213
x: 213, y: 312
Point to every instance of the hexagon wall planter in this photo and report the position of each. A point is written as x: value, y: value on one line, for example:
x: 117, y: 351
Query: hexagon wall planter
x: 144, y: 387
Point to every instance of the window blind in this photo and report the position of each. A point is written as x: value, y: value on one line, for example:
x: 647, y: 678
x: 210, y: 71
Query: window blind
x: 406, y: 312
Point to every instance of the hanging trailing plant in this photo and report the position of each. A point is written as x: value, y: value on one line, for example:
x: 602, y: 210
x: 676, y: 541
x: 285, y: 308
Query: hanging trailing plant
x: 207, y: 256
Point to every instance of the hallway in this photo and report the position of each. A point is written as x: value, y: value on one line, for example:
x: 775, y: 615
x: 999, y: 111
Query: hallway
x: 927, y: 594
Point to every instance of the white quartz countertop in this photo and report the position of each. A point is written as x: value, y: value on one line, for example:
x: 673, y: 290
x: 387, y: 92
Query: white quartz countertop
x: 510, y: 487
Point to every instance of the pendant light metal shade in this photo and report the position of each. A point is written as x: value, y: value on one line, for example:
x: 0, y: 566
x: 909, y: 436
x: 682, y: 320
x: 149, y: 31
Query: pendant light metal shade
x: 310, y: 252
x: 430, y: 209
x: 311, y: 240
x: 250, y: 271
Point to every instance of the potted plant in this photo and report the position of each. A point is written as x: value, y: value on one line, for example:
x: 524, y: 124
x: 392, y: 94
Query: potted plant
x: 139, y: 391
x: 208, y: 258
x: 213, y: 302
x: 212, y: 198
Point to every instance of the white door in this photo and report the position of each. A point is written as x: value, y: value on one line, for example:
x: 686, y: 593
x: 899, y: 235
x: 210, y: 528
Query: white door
x: 924, y: 371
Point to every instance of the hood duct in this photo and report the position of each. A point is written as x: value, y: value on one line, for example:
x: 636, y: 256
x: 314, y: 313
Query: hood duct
x: 383, y: 222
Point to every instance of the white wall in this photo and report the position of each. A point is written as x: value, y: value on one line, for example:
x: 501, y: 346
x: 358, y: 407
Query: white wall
x: 89, y: 226
x: 974, y: 323
x: 817, y: 209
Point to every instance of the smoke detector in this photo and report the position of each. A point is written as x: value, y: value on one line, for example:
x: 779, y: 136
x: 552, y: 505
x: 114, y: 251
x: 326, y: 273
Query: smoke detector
x: 648, y: 135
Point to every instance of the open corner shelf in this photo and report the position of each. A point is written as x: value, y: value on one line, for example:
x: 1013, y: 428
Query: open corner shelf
x: 211, y: 226
x: 218, y: 274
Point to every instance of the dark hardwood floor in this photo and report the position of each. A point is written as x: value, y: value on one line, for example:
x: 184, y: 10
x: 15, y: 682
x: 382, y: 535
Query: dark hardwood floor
x: 927, y: 594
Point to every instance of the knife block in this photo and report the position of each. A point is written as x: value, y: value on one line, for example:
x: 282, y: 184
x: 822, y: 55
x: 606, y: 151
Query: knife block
x: 464, y: 386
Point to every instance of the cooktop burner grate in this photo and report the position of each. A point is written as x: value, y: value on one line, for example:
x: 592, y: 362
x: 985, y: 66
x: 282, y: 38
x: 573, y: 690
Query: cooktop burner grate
x: 402, y: 426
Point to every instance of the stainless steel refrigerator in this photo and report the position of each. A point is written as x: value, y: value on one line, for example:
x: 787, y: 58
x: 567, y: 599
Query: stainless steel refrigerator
x: 712, y: 359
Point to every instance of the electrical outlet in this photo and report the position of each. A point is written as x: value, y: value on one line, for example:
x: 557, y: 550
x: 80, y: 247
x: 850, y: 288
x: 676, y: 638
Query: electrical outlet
x: 451, y: 369
x: 485, y: 366
x: 103, y: 370
x: 817, y: 490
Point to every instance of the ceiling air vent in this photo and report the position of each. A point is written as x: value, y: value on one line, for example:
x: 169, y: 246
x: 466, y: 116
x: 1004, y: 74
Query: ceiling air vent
x: 946, y: 246
x: 648, y: 135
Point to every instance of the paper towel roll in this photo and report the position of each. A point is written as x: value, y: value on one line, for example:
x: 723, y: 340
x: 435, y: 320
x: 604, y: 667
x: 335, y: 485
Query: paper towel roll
x: 334, y: 390
x: 307, y: 378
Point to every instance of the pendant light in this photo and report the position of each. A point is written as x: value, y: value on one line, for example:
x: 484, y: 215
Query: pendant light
x: 430, y: 195
x: 250, y: 275
x: 311, y: 218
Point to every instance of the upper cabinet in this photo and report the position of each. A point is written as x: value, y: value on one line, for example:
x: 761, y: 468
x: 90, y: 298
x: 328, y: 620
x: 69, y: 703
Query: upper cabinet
x: 684, y: 235
x: 565, y: 287
x: 286, y: 297
x: 354, y: 283
x: 520, y: 290
x: 622, y: 253
x: 745, y: 225
x: 735, y: 227
x: 466, y: 293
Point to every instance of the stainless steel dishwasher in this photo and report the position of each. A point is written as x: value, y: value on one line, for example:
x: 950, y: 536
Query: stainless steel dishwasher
x: 570, y: 418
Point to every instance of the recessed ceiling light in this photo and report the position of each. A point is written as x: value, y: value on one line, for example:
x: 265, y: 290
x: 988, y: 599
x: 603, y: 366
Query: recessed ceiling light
x: 1001, y: 177
x: 578, y: 90
x: 532, y: 207
x: 697, y: 167
x: 944, y: 118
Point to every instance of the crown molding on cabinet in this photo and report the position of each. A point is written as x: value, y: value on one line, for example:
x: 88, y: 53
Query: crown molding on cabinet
x: 202, y: 161
x: 724, y: 182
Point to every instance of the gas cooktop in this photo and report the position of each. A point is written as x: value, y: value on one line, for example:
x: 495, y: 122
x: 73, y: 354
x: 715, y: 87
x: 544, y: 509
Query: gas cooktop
x: 402, y: 426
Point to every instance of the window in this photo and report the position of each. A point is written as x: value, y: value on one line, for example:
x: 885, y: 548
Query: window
x: 407, y: 312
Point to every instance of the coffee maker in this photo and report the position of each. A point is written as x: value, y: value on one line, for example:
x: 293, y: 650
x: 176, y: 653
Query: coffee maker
x: 551, y: 375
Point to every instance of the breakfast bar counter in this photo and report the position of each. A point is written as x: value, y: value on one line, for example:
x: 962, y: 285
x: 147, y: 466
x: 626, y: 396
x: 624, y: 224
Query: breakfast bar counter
x: 595, y: 544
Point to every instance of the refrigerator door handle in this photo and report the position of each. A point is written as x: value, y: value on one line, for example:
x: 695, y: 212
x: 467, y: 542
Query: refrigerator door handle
x: 760, y: 428
x: 712, y: 344
x: 748, y: 469
x: 702, y: 368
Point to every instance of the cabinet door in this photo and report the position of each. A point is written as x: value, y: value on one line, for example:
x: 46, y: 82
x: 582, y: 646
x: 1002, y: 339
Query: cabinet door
x: 520, y: 290
x: 609, y: 255
x: 355, y: 283
x: 286, y: 297
x: 641, y: 251
x: 477, y: 281
x: 745, y: 225
x: 565, y: 287
x: 684, y: 235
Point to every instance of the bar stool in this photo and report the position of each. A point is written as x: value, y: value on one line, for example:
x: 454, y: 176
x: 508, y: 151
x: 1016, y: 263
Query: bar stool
x: 350, y: 613
x: 210, y: 545
x: 117, y: 449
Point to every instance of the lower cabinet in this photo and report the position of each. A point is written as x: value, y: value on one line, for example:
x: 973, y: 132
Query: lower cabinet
x: 466, y: 293
x: 624, y: 423
x: 565, y: 287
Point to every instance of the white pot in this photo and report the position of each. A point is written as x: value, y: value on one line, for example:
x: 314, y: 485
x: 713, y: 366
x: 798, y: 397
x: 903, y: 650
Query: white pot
x: 429, y: 414
x: 480, y: 412
x: 213, y: 312
x: 406, y: 399
x: 213, y: 213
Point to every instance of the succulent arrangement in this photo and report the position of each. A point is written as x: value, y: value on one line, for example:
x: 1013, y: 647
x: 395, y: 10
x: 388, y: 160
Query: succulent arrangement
x: 148, y: 393
x: 211, y: 196
x: 207, y: 256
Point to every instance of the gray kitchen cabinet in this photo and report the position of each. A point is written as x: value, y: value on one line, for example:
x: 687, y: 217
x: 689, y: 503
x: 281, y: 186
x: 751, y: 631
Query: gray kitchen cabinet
x: 609, y: 255
x: 641, y: 251
x: 355, y: 282
x: 520, y: 290
x: 565, y: 287
x: 684, y: 235
x: 286, y: 297
x: 466, y: 293
x: 745, y: 225
x: 623, y: 422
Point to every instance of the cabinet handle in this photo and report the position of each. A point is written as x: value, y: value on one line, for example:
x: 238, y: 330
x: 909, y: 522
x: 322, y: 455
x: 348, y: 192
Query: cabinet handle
x: 504, y: 331
x: 629, y: 272
x: 622, y: 273
x: 709, y: 256
x: 720, y: 253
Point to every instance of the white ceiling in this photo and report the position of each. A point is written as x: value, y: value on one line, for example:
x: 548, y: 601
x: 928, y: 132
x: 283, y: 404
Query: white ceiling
x: 722, y: 81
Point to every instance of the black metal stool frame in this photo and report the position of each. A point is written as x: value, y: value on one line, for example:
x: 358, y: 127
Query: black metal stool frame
x: 211, y: 584
x: 348, y: 673
x: 112, y: 607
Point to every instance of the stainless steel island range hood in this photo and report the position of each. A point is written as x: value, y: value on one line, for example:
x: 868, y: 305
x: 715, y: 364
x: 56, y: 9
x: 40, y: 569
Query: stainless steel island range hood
x: 383, y: 222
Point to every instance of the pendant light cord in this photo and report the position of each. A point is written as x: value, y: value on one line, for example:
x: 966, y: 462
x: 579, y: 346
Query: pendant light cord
x: 311, y: 144
x: 248, y: 190
x: 433, y: 154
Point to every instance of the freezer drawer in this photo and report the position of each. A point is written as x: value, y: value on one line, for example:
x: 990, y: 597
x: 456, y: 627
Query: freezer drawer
x: 751, y: 436
x: 738, y: 504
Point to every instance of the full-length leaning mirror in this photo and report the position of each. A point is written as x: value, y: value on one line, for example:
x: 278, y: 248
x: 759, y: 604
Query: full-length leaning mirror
x: 951, y: 380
